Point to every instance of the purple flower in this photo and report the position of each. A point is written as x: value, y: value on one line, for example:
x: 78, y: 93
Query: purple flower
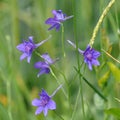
x: 90, y: 55
x: 27, y: 47
x: 59, y: 17
x: 44, y: 66
x: 45, y: 102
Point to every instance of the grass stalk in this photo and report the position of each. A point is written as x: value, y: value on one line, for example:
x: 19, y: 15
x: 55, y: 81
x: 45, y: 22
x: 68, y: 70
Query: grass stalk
x: 95, y: 31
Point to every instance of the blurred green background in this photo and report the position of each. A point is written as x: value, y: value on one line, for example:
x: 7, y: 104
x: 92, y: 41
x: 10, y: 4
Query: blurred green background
x: 19, y: 84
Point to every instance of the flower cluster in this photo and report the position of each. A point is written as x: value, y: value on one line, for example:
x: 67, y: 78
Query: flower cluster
x: 45, y: 102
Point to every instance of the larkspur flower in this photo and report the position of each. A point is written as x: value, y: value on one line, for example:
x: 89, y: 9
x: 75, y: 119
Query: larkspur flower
x: 45, y: 102
x: 90, y: 55
x: 44, y: 66
x: 27, y: 47
x: 59, y: 17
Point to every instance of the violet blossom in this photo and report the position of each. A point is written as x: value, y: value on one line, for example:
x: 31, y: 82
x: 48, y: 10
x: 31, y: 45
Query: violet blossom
x: 58, y: 18
x: 44, y: 66
x: 27, y: 47
x: 90, y: 55
x: 45, y: 102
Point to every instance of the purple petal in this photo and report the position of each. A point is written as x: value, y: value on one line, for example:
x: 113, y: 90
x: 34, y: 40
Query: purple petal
x: 50, y: 21
x: 95, y: 62
x: 23, y: 56
x: 30, y: 39
x: 96, y: 54
x: 54, y: 12
x: 47, y: 58
x: 58, y: 15
x: 36, y: 102
x: 21, y: 47
x: 87, y: 49
x: 43, y: 71
x: 40, y: 64
x: 51, y: 105
x: 45, y: 110
x: 39, y: 110
x: 29, y: 58
x: 43, y: 93
x: 89, y: 65
x: 56, y: 25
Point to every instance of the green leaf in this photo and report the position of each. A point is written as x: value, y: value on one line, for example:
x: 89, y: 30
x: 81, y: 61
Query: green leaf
x: 114, y: 111
x: 115, y: 71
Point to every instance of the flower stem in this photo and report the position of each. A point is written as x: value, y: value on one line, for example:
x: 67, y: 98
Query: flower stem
x: 58, y: 82
x: 9, y: 99
x: 75, y: 106
x: 63, y: 46
x: 95, y: 31
x: 77, y: 49
x: 81, y: 92
x: 56, y: 90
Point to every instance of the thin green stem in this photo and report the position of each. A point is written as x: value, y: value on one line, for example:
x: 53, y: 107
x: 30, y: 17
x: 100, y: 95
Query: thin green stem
x: 58, y: 82
x: 95, y: 31
x: 77, y: 54
x: 76, y: 102
x: 63, y: 44
x: 81, y: 92
x: 9, y: 99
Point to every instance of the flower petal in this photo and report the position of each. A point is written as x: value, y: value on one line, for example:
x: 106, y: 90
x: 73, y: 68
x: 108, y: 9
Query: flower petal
x: 51, y: 105
x: 56, y: 25
x: 47, y: 58
x: 40, y: 65
x: 23, y: 56
x: 50, y: 21
x: 21, y: 47
x: 36, y: 102
x: 39, y: 110
x: 45, y: 110
x: 96, y: 54
x: 43, y: 93
x: 29, y: 58
x: 95, y: 62
x: 89, y: 65
x: 30, y: 39
x: 43, y: 71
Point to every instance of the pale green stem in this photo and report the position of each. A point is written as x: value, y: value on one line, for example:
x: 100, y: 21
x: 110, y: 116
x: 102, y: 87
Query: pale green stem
x: 58, y: 82
x: 75, y: 106
x: 111, y: 56
x: 63, y: 46
x: 9, y: 99
x: 81, y: 92
x: 95, y: 31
